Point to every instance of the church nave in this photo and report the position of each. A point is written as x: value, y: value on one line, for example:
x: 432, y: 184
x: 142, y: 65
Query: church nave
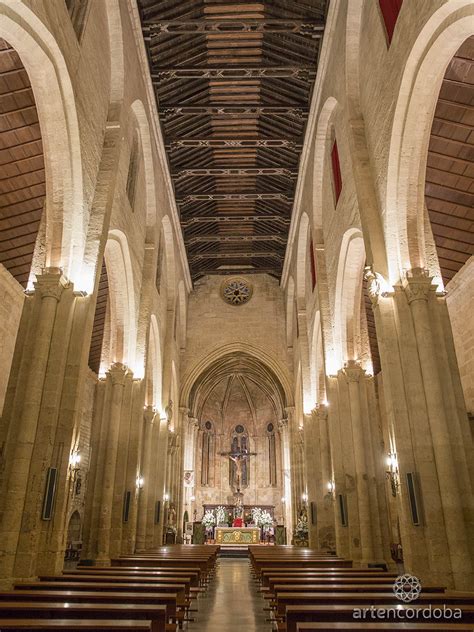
x: 232, y: 602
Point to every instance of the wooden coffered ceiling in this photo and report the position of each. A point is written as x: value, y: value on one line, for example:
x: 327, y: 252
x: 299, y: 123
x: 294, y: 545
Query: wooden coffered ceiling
x: 233, y: 83
x: 449, y: 189
x: 22, y: 179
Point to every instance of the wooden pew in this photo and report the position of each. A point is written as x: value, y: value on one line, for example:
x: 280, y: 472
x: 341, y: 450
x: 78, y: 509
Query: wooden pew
x: 75, y: 625
x: 177, y: 589
x: 381, y: 627
x: 136, y: 571
x: 169, y: 600
x: 284, y: 600
x: 155, y: 614
x: 345, y: 612
x: 318, y: 574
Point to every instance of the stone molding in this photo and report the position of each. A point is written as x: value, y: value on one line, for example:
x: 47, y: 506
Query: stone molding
x: 51, y: 283
x: 118, y: 372
x: 417, y: 285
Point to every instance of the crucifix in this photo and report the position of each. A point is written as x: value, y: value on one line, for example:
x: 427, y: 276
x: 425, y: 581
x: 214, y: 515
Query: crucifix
x: 238, y: 456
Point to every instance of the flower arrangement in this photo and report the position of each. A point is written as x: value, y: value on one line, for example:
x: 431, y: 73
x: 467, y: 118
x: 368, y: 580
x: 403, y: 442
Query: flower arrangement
x: 261, y: 517
x: 221, y: 515
x: 301, y: 529
x: 209, y: 519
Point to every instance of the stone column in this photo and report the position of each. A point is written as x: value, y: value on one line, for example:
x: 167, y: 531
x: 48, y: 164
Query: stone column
x: 324, y: 497
x: 340, y: 460
x: 428, y: 426
x: 354, y: 375
x: 22, y: 414
x: 162, y: 466
x: 117, y: 374
x: 133, y: 469
x: 286, y: 483
x: 143, y: 494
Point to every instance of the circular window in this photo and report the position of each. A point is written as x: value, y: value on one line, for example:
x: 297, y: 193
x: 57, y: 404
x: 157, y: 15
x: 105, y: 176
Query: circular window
x: 208, y: 425
x: 270, y: 428
x: 236, y: 291
x: 239, y: 429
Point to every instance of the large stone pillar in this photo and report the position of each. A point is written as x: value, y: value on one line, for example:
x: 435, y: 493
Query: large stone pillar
x: 428, y: 427
x: 286, y: 473
x: 160, y: 476
x: 322, y: 474
x: 117, y: 376
x: 145, y: 487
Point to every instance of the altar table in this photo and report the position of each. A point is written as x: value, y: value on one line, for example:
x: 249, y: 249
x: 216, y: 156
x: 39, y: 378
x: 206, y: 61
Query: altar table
x: 237, y: 535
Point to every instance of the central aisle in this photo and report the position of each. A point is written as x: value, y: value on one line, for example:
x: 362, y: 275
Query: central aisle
x: 232, y: 603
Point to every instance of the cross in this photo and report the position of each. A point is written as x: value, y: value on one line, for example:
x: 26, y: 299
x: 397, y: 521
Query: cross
x: 238, y: 457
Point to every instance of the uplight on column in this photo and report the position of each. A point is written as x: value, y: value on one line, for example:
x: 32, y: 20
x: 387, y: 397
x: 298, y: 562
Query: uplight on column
x: 140, y: 482
x: 331, y: 487
x: 392, y: 473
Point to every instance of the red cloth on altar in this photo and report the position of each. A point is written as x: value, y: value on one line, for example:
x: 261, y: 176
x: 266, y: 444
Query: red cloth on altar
x: 238, y: 522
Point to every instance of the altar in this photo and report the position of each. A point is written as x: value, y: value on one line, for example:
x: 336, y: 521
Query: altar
x: 237, y: 535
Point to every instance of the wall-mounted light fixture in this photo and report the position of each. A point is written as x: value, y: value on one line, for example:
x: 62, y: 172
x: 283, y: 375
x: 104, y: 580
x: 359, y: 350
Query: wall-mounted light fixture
x: 166, y: 497
x: 75, y: 469
x: 193, y: 498
x: 331, y: 487
x: 283, y: 499
x: 392, y: 473
x: 140, y: 482
x: 304, y: 498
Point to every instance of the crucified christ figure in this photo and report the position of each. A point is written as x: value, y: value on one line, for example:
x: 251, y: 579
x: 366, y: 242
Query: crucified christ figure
x: 238, y: 457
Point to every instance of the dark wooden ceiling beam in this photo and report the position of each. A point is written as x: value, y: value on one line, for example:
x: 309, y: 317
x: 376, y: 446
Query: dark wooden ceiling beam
x: 303, y: 73
x: 239, y: 171
x: 308, y: 28
x: 235, y: 238
x: 238, y: 219
x: 232, y: 142
x: 234, y: 196
x: 236, y: 255
x: 232, y: 110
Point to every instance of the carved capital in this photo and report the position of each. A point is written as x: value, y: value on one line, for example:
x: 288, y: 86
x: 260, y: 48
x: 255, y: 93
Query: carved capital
x: 149, y: 414
x: 373, y: 285
x: 320, y: 412
x: 118, y: 372
x: 51, y: 283
x: 282, y: 425
x: 353, y: 371
x: 417, y: 285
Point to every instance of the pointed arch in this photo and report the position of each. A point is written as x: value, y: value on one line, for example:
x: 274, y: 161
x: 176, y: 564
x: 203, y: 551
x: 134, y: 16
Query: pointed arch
x: 122, y: 327
x: 65, y: 211
x: 348, y: 296
x: 425, y: 67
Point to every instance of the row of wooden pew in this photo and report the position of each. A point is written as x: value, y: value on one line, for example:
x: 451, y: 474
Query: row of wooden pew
x: 152, y: 592
x: 307, y: 590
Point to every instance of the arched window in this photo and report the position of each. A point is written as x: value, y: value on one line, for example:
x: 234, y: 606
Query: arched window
x: 206, y: 453
x: 272, y: 467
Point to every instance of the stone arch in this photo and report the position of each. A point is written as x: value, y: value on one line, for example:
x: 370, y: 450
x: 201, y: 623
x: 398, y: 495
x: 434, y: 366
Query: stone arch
x: 438, y: 41
x: 182, y: 311
x: 141, y: 118
x: 154, y: 366
x: 170, y: 263
x: 252, y: 351
x: 117, y: 65
x: 316, y: 360
x: 322, y: 138
x: 290, y: 311
x: 66, y: 216
x: 121, y: 329
x: 74, y: 528
x: 348, y: 296
x: 352, y: 57
x: 301, y: 261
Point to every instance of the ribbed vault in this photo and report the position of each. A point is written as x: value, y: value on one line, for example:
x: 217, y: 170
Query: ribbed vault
x: 241, y: 367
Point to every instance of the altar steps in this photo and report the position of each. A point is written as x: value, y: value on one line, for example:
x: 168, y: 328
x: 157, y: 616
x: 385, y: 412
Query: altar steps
x: 234, y: 550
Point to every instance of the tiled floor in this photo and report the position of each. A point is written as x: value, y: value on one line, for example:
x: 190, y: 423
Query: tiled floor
x: 232, y: 603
